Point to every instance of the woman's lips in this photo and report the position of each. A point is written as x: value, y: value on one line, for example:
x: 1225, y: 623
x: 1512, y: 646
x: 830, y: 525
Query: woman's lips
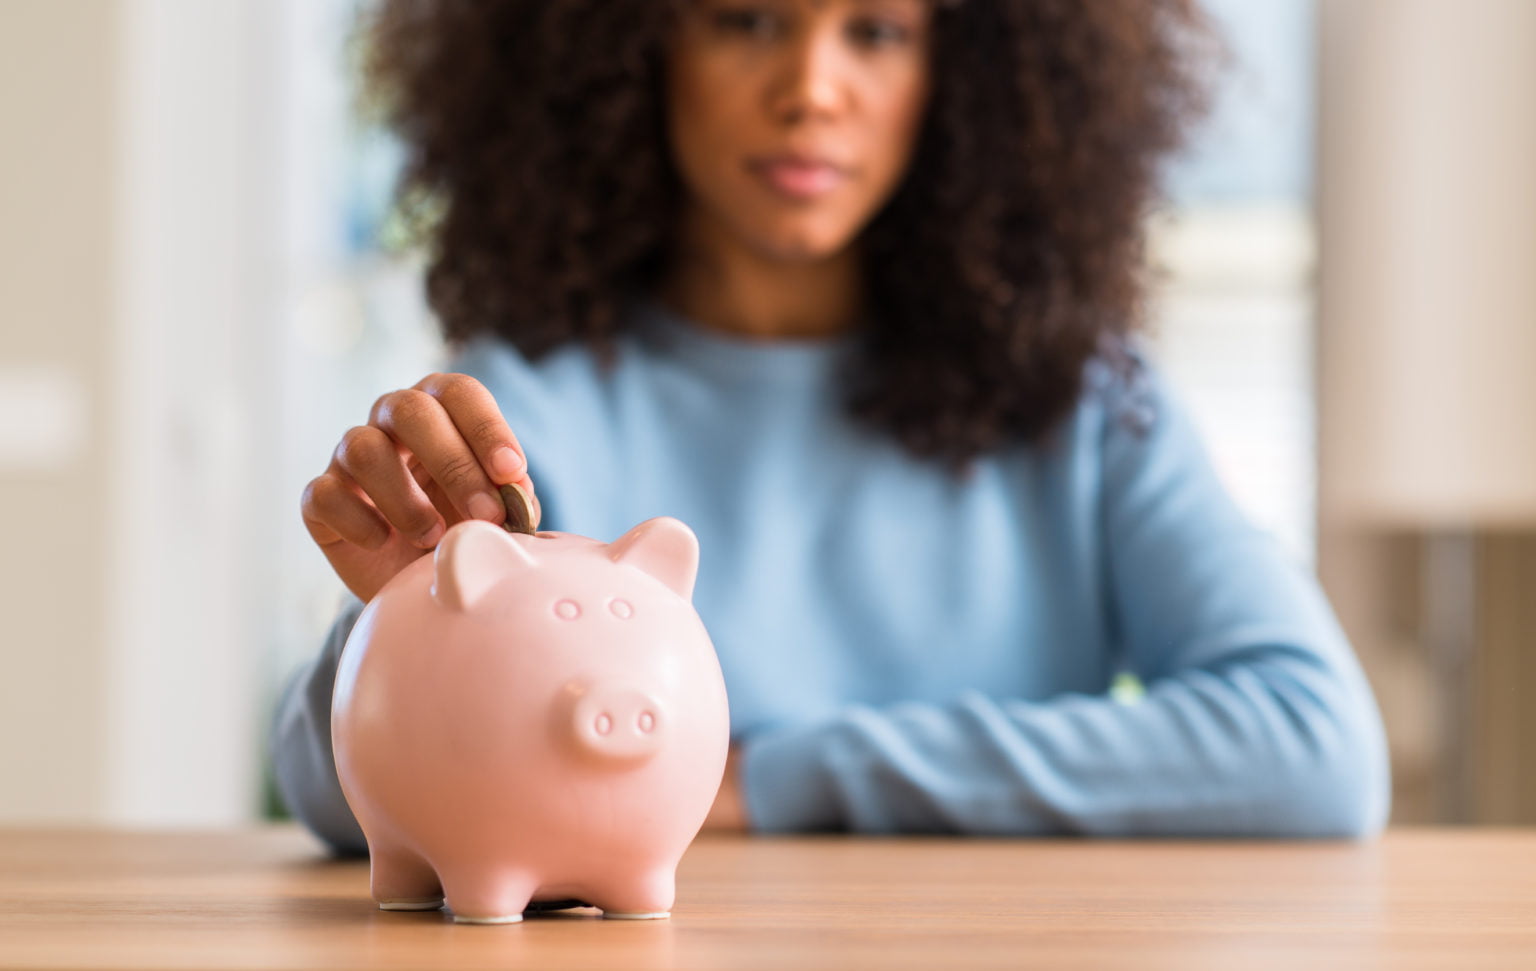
x: 797, y: 178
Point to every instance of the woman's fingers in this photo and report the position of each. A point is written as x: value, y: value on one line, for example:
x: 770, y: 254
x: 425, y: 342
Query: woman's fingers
x: 475, y: 414
x: 418, y: 421
x: 368, y: 457
x: 430, y: 456
x: 336, y: 510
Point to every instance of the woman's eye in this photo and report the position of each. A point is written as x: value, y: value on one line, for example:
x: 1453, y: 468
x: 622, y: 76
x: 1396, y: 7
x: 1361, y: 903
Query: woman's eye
x: 871, y: 32
x: 746, y: 22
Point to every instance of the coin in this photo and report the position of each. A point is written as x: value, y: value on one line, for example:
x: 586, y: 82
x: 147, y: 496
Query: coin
x: 519, y: 509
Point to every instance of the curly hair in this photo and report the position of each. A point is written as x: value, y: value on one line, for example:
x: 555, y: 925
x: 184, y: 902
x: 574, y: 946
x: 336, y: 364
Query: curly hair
x: 1010, y: 255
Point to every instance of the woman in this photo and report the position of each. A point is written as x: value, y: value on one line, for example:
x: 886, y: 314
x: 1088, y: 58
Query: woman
x: 850, y: 286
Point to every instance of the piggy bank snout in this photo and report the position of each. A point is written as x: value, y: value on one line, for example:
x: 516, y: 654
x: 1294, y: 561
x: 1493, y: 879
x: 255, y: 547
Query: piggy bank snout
x: 618, y: 724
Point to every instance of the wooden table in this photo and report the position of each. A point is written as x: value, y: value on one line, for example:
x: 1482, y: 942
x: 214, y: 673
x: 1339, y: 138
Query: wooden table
x: 269, y: 898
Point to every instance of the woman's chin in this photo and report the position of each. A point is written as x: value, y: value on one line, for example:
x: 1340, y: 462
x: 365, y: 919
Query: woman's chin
x: 802, y: 244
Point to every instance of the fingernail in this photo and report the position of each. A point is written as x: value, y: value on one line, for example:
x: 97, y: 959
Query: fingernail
x: 506, y: 463
x: 431, y: 536
x: 487, y: 507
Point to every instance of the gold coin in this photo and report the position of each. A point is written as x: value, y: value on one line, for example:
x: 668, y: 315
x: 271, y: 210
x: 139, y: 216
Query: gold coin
x: 519, y: 509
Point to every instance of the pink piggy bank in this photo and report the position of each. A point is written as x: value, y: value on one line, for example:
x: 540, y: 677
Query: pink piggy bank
x: 522, y: 719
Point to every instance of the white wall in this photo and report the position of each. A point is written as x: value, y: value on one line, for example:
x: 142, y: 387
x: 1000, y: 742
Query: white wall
x: 132, y: 242
x: 194, y: 394
x: 1429, y: 172
x: 58, y: 64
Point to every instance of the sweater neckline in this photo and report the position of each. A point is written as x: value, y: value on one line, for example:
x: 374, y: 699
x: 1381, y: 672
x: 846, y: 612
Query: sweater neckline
x: 785, y: 358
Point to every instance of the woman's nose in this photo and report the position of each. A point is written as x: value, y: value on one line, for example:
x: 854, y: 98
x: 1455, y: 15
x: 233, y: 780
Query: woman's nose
x: 810, y: 82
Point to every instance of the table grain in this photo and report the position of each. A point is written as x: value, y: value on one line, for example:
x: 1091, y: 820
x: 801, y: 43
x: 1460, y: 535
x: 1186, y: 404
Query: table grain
x: 269, y: 897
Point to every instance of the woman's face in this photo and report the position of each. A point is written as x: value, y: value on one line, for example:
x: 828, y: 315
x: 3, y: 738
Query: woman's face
x: 792, y: 121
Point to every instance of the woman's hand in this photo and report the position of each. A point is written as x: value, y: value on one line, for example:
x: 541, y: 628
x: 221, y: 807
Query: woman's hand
x: 431, y: 455
x: 729, y: 813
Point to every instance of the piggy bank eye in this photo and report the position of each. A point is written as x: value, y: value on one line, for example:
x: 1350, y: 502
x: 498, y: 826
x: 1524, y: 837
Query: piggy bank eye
x: 621, y: 609
x: 567, y: 609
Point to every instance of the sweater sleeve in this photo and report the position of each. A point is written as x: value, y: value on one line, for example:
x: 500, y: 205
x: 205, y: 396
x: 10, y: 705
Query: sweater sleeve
x: 1256, y: 719
x: 303, y: 764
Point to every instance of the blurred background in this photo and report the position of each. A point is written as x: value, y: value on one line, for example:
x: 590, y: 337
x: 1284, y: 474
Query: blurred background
x: 204, y: 288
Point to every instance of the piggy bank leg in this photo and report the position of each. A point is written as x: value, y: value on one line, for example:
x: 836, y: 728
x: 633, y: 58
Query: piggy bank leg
x: 487, y: 895
x: 401, y: 880
x: 647, y: 895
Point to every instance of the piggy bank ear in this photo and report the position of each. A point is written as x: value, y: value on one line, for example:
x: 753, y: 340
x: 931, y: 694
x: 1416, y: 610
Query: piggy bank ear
x: 663, y: 547
x: 472, y: 558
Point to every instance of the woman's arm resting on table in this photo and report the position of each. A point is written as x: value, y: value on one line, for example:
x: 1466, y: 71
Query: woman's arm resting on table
x: 1256, y: 720
x: 1263, y: 745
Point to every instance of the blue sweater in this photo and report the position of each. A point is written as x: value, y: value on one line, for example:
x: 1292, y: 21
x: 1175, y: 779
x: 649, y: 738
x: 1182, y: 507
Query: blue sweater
x: 906, y: 652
